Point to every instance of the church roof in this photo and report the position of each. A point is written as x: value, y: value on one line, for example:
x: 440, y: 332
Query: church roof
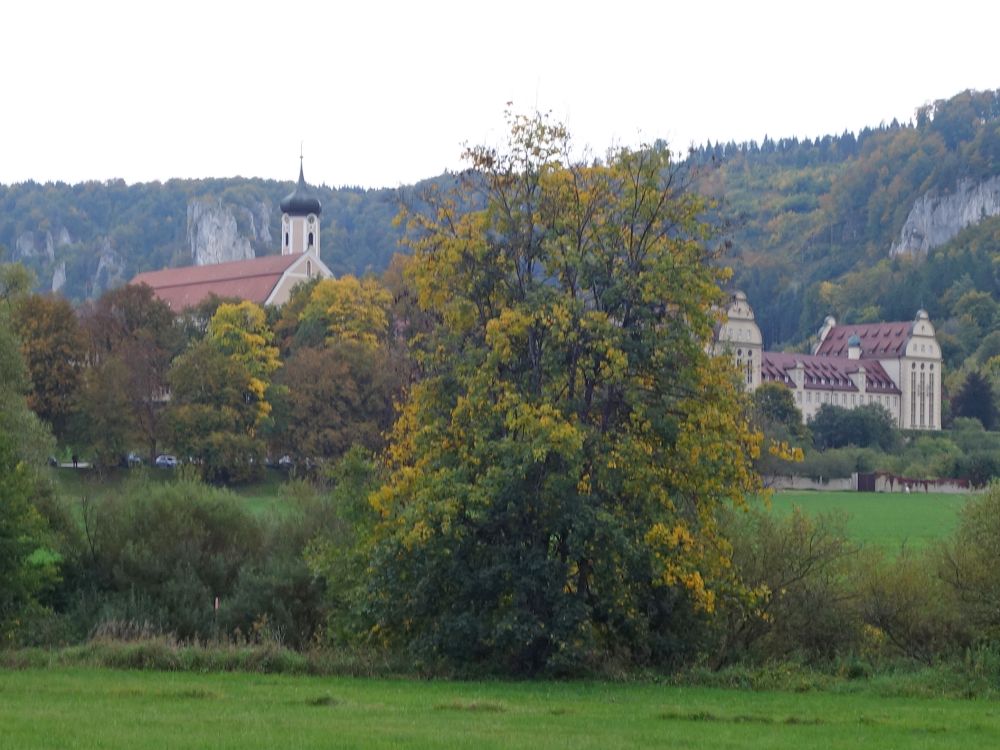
x: 301, y: 201
x: 252, y: 280
x: 825, y: 373
x: 878, y: 340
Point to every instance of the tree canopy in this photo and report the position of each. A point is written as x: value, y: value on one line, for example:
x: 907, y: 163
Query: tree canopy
x: 554, y: 478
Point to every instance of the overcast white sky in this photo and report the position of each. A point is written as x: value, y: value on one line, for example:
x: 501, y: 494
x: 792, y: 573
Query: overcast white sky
x: 385, y: 93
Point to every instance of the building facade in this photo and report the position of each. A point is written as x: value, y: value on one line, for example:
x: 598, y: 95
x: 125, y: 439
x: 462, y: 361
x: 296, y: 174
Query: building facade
x: 895, y: 365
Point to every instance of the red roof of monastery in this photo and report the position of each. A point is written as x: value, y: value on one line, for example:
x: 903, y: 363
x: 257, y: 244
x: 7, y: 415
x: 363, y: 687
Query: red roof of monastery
x: 252, y: 280
x: 825, y: 373
x: 877, y: 339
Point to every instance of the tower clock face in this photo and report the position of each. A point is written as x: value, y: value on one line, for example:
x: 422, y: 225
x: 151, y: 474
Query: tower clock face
x: 311, y: 219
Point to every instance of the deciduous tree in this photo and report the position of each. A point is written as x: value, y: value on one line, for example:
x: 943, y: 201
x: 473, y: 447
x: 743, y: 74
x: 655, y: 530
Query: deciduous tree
x: 53, y: 350
x: 555, y: 477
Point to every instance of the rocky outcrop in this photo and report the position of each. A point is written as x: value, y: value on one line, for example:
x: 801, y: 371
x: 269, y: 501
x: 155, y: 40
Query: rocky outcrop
x: 26, y: 248
x: 218, y: 232
x: 935, y: 219
x: 213, y: 233
x: 110, y: 268
x: 59, y: 277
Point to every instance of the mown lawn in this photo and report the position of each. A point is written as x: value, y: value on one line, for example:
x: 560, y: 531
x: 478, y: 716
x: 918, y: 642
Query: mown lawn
x: 88, y: 708
x: 887, y: 520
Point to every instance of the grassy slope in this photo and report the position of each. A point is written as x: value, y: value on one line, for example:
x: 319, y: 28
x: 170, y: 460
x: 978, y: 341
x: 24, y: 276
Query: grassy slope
x: 885, y: 520
x: 69, y: 708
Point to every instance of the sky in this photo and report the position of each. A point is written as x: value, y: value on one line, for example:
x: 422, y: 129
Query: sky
x: 383, y: 94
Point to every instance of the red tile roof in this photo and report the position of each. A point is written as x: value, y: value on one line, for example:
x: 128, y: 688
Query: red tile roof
x: 877, y: 339
x: 825, y: 373
x: 252, y: 280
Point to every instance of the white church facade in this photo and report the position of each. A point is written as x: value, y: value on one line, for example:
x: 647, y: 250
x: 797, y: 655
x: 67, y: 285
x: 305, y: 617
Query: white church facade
x: 896, y: 365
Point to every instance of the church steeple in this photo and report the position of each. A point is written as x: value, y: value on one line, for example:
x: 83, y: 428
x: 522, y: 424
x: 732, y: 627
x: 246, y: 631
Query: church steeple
x: 300, y: 212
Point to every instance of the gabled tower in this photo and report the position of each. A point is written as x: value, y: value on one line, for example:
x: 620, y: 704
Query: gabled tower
x: 739, y: 334
x: 300, y: 212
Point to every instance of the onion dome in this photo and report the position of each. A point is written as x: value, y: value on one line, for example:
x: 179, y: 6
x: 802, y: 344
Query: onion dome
x: 301, y: 201
x: 854, y: 340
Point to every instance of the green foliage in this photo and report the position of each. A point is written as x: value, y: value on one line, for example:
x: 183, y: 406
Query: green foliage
x: 210, y: 420
x: 53, y: 351
x: 975, y: 400
x: 555, y: 477
x: 866, y: 426
x: 913, y: 611
x: 773, y: 406
x: 813, y: 220
x: 968, y: 563
x: 341, y: 523
x: 104, y: 418
x: 220, y: 390
x: 796, y: 568
x: 332, y: 398
x: 27, y: 567
x: 161, y: 553
x: 240, y: 332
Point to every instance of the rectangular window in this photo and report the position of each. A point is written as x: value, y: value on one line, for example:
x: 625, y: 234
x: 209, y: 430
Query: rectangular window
x: 930, y: 399
x: 923, y: 401
x: 913, y: 399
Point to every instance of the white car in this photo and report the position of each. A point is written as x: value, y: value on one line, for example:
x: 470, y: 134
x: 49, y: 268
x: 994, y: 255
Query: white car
x: 166, y: 460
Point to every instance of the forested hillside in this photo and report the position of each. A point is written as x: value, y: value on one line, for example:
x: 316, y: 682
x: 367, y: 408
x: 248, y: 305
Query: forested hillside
x: 84, y: 239
x: 811, y: 223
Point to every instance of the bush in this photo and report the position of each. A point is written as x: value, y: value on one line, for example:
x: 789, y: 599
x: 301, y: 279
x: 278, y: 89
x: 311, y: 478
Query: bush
x: 163, y: 552
x: 864, y: 427
x: 968, y: 563
x: 913, y: 610
x: 798, y: 601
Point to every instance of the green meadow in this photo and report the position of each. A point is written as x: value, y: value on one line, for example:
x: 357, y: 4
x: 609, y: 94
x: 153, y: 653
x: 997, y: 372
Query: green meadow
x: 87, y: 708
x: 890, y: 521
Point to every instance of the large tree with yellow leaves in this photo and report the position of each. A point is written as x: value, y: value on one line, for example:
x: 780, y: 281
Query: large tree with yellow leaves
x: 556, y: 475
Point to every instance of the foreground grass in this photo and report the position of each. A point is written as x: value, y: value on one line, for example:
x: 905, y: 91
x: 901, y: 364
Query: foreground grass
x: 886, y: 520
x: 86, y: 707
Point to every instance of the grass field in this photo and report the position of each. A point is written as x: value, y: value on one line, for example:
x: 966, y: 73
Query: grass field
x: 886, y: 520
x: 87, y: 708
x: 260, y: 497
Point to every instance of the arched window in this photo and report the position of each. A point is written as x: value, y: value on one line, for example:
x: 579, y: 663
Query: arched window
x: 310, y: 239
x: 286, y: 239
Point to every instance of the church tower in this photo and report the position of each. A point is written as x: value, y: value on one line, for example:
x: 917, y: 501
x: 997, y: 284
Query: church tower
x: 300, y: 211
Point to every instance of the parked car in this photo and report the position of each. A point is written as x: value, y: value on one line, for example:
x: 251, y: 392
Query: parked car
x: 166, y: 460
x: 133, y: 459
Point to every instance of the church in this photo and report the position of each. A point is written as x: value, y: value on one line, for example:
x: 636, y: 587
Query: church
x: 896, y: 365
x: 267, y: 280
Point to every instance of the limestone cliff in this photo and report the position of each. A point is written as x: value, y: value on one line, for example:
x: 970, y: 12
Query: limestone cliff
x: 219, y: 231
x: 27, y: 248
x: 213, y: 233
x: 59, y: 277
x: 935, y: 218
x: 110, y: 268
